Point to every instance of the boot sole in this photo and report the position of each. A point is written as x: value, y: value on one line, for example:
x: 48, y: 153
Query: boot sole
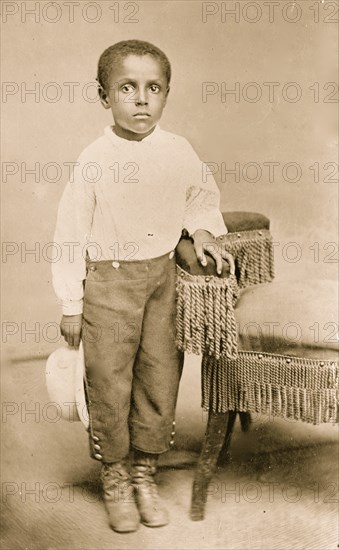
x: 154, y: 525
x: 129, y: 530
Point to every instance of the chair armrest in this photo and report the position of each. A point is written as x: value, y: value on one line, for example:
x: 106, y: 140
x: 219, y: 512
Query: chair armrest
x: 245, y: 221
x: 247, y: 232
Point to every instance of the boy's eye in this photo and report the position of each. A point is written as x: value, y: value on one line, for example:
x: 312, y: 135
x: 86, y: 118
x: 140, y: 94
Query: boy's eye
x: 155, y: 88
x: 127, y: 88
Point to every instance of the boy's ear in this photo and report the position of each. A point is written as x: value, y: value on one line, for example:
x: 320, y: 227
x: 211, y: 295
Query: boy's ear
x: 103, y: 97
x: 166, y: 96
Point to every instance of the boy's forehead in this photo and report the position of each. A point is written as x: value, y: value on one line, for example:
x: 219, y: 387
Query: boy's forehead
x: 133, y: 66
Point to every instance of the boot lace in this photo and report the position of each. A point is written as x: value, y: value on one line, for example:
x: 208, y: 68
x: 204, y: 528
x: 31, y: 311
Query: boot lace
x: 143, y: 478
x: 116, y: 479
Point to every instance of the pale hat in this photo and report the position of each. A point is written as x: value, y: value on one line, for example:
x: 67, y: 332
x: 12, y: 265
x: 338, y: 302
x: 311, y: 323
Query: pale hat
x: 65, y: 383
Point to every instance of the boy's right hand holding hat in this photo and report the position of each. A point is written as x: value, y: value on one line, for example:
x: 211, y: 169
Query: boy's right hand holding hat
x: 70, y: 328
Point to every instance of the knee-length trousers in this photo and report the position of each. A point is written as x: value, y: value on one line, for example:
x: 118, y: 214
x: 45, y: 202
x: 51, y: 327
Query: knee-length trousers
x: 133, y: 367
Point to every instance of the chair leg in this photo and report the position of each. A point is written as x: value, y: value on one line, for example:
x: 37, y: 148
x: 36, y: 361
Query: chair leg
x: 245, y: 421
x: 224, y: 456
x: 213, y: 441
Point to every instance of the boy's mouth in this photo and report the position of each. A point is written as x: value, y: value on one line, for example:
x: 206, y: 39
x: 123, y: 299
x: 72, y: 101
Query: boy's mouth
x: 141, y: 115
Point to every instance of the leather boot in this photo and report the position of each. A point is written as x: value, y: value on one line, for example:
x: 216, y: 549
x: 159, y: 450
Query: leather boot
x: 119, y: 497
x: 151, y: 509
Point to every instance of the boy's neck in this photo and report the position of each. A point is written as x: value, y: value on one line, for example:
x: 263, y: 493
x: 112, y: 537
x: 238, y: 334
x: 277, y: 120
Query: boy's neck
x: 130, y: 136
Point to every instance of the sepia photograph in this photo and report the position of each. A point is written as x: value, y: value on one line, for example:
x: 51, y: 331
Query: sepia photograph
x: 169, y: 262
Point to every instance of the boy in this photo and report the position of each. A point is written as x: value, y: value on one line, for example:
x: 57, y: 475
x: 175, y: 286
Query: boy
x: 120, y: 218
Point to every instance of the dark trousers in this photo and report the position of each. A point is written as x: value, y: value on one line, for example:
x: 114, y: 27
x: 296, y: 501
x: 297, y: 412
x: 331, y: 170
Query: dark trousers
x: 133, y: 368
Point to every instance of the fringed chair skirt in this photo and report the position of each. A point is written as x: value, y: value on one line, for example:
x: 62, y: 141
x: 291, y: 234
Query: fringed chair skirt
x: 290, y: 387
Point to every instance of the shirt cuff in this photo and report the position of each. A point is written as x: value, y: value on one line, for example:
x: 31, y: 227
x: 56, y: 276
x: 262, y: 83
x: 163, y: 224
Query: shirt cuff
x: 72, y: 307
x: 213, y: 224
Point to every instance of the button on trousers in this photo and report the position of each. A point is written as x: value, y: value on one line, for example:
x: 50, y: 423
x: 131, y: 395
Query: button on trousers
x: 133, y: 367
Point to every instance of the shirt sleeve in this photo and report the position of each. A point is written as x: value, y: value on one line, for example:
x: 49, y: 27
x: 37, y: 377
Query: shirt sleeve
x: 72, y: 235
x: 202, y: 209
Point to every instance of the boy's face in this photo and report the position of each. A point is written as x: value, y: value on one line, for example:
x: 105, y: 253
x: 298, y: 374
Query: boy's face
x: 137, y: 96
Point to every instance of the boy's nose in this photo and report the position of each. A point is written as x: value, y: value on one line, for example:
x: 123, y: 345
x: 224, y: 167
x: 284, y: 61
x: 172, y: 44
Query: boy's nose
x: 141, y: 98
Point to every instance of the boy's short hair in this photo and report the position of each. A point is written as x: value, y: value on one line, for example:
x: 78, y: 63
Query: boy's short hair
x: 119, y: 51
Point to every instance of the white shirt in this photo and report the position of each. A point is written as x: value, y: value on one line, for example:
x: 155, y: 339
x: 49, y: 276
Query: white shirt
x: 130, y: 200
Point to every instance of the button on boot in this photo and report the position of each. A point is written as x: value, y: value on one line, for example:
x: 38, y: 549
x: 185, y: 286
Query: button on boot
x: 119, y: 498
x: 151, y: 509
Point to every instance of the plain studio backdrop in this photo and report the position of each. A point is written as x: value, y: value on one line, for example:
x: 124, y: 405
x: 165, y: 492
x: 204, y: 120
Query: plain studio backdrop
x: 253, y: 91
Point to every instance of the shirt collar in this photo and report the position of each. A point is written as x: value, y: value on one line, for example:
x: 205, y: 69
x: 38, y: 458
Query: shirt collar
x: 109, y: 132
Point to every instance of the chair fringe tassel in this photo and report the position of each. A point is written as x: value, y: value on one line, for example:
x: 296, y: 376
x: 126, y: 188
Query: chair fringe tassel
x: 290, y: 387
x: 253, y: 255
x: 205, y: 315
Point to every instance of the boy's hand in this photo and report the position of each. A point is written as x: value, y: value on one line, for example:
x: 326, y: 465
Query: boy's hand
x: 205, y: 242
x: 70, y: 328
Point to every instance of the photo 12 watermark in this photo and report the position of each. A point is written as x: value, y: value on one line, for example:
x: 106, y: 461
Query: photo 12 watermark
x: 291, y: 492
x: 69, y: 252
x: 234, y: 12
x: 49, y: 332
x: 269, y: 92
x: 52, y: 492
x: 53, y: 172
x: 34, y: 91
x: 269, y: 171
x: 35, y: 412
x: 29, y: 12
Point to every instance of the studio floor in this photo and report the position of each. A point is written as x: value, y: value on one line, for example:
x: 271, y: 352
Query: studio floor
x: 279, y: 491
